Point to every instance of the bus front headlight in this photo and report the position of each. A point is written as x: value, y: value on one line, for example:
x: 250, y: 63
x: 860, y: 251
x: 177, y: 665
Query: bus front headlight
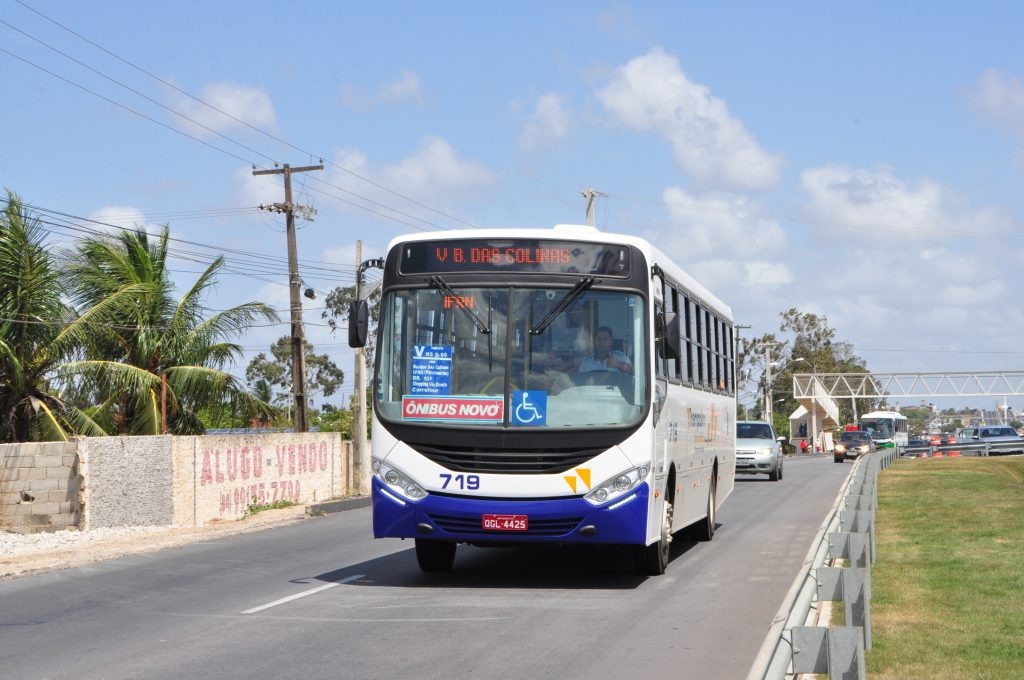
x: 616, y: 486
x: 397, y: 481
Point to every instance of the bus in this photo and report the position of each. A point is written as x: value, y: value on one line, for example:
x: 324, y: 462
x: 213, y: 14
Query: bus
x: 887, y: 428
x: 559, y: 386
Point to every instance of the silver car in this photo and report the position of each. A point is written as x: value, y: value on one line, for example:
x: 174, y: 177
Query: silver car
x: 758, y: 449
x: 1004, y: 436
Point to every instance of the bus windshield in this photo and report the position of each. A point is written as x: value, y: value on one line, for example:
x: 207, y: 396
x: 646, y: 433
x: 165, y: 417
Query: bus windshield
x: 512, y: 357
x: 880, y: 428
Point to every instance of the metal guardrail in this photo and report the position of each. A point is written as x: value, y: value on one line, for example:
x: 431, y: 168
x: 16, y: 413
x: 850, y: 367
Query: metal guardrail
x: 794, y: 643
x: 966, y: 448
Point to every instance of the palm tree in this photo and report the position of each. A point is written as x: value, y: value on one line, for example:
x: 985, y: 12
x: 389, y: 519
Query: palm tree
x: 160, y: 357
x: 38, y: 333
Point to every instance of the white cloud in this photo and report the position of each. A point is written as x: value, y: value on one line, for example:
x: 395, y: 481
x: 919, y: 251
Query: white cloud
x: 965, y: 296
x: 116, y: 217
x: 766, y: 275
x: 258, y: 189
x: 547, y: 125
x: 433, y: 175
x: 113, y: 219
x: 241, y: 102
x: 710, y: 225
x: 405, y: 88
x: 651, y: 93
x: 723, y: 244
x: 865, y: 205
x: 999, y: 98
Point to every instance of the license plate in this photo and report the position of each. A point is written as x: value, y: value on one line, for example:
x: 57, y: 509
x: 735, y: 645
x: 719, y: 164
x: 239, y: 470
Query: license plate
x: 505, y: 522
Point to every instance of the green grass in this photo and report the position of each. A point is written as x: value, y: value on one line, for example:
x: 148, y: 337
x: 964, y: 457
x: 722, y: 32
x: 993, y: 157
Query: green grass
x: 948, y: 584
x: 255, y: 507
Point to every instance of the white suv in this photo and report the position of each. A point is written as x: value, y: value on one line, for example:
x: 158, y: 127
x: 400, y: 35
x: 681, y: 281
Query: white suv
x: 758, y: 449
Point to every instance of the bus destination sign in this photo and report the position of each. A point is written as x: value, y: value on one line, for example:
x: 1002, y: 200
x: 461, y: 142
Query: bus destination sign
x: 529, y: 256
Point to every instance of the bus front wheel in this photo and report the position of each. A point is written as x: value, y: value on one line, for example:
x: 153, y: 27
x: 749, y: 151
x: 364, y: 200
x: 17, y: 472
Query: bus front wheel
x: 434, y: 556
x: 652, y: 560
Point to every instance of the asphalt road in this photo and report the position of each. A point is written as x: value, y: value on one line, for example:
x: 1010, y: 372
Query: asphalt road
x: 322, y: 599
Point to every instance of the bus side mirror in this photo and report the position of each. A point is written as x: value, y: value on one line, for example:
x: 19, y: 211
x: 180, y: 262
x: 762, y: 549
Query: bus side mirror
x: 668, y: 333
x: 358, y: 323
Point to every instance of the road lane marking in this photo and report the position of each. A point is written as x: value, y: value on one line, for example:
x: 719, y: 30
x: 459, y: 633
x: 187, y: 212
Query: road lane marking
x: 302, y: 594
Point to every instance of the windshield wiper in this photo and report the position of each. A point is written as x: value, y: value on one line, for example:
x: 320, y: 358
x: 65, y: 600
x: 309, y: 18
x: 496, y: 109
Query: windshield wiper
x: 570, y: 297
x: 440, y: 283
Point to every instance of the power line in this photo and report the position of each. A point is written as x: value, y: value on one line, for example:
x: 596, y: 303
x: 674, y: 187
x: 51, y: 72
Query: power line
x: 247, y: 124
x: 68, y: 222
x: 134, y: 91
x: 217, y: 148
x: 126, y: 108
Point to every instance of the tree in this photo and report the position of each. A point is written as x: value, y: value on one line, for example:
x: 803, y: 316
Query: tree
x: 336, y: 314
x: 813, y: 347
x: 272, y: 376
x: 38, y: 333
x: 156, y: 345
x: 751, y: 363
x: 815, y: 342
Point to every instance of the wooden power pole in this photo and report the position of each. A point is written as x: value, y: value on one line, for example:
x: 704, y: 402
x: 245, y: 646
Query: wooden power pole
x: 298, y: 334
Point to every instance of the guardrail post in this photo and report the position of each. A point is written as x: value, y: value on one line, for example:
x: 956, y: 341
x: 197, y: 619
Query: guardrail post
x: 860, y: 521
x: 852, y: 546
x: 837, y: 651
x: 853, y: 587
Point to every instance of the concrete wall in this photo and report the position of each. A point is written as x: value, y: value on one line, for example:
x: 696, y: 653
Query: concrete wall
x: 127, y: 481
x: 158, y: 481
x: 219, y: 477
x: 39, y: 487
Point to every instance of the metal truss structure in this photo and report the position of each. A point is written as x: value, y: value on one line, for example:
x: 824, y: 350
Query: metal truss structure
x: 816, y: 386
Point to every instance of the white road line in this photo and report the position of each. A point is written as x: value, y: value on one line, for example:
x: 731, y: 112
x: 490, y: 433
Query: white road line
x: 302, y: 594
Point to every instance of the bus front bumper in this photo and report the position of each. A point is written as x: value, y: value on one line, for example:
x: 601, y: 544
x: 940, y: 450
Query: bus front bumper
x: 562, y: 520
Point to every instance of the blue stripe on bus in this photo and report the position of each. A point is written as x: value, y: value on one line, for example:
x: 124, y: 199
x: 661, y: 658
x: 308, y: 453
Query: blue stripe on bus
x: 550, y: 521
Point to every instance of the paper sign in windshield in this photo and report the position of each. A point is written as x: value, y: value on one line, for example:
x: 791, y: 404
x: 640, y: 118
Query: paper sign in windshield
x: 431, y: 369
x: 458, y: 409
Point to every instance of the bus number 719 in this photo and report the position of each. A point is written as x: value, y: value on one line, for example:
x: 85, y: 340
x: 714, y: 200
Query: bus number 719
x: 471, y: 482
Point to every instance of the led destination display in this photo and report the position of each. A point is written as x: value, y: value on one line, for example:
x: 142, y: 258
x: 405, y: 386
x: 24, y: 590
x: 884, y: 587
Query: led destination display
x: 519, y: 255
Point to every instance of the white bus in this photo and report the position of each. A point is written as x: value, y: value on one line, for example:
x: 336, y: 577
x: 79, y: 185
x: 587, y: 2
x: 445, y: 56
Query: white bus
x: 547, y: 386
x: 887, y: 428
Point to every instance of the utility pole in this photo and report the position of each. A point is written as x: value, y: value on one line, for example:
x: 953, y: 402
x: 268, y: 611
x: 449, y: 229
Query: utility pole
x: 769, y: 397
x: 360, y: 476
x: 298, y: 334
x: 361, y: 457
x: 589, y: 194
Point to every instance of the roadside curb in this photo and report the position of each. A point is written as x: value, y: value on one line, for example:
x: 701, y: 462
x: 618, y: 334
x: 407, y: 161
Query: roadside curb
x: 338, y: 505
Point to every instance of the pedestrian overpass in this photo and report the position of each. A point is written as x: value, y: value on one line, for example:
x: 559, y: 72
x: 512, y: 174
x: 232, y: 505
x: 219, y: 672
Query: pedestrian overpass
x: 818, y: 392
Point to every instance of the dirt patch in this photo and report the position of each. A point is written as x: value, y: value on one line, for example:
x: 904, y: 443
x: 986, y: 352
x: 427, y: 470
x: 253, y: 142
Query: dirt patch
x: 21, y: 555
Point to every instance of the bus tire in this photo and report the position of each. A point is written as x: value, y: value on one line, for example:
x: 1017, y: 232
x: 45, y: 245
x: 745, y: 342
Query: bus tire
x: 435, y: 556
x: 704, y: 530
x: 652, y: 560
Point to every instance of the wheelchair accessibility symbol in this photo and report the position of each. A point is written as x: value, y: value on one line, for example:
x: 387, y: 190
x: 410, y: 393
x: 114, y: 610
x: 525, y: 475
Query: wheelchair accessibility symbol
x: 529, y: 407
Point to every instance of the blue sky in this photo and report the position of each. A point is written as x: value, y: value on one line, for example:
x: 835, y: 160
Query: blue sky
x: 862, y: 161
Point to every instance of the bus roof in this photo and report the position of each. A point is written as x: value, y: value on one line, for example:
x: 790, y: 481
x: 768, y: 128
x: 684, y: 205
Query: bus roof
x: 585, y: 233
x: 884, y: 414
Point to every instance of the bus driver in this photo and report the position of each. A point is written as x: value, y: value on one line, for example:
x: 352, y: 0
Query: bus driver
x: 604, y: 357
